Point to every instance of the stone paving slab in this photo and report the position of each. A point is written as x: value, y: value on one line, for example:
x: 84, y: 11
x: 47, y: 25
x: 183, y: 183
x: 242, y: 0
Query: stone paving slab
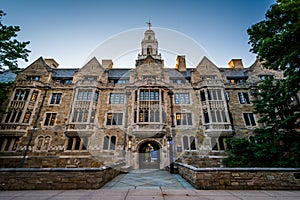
x: 157, y: 194
x: 148, y: 179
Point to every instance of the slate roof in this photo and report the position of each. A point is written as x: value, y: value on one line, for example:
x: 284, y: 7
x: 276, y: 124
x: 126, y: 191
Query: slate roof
x: 7, y: 76
x: 119, y: 73
x: 229, y: 72
x: 64, y: 73
x: 173, y: 73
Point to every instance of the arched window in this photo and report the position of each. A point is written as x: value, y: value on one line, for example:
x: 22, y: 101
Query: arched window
x: 42, y: 143
x: 39, y: 143
x: 185, y: 143
x: 149, y: 37
x: 189, y: 143
x: 149, y: 50
x: 112, y: 142
x: 106, y: 142
x: 192, y: 143
x: 109, y: 143
x: 46, y: 143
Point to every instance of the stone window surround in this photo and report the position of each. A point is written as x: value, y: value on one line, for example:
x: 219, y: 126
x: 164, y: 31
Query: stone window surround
x: 187, y: 114
x: 42, y: 146
x: 27, y: 117
x: 21, y: 94
x: 50, y: 120
x: 56, y: 98
x: 254, y: 118
x: 90, y: 107
x: 217, y: 140
x: 114, y: 112
x: 186, y: 98
x: 81, y: 145
x: 121, y: 98
x: 244, y: 98
x: 188, y: 142
x: 161, y: 103
x: 218, y: 116
x: 12, y: 146
x: 209, y: 110
x: 24, y: 109
x: 110, y: 142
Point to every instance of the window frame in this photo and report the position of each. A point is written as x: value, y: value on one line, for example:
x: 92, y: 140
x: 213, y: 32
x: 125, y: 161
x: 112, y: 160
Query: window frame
x: 56, y: 98
x: 114, y: 120
x: 116, y: 98
x: 44, y: 147
x: 244, y: 98
x: 220, y: 145
x: 109, y: 143
x: 249, y: 120
x: 188, y: 144
x: 187, y: 120
x: 50, y: 120
x: 7, y: 144
x: 77, y: 146
x: 84, y: 95
x: 182, y: 98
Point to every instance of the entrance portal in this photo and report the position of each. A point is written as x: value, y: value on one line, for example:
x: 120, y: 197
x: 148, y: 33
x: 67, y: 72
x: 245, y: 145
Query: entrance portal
x: 149, y: 155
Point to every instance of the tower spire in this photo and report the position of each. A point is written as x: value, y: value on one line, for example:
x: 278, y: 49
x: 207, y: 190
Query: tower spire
x: 149, y: 24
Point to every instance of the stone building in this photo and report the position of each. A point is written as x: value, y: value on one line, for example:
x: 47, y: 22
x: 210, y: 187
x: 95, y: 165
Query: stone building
x: 148, y: 115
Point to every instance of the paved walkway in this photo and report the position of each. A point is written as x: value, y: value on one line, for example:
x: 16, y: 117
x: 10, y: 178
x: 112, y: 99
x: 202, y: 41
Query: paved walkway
x: 148, y: 185
x: 157, y: 194
x: 148, y: 179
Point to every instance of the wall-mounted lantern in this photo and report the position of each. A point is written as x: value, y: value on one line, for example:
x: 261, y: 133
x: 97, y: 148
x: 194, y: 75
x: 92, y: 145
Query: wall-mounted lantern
x: 129, y: 143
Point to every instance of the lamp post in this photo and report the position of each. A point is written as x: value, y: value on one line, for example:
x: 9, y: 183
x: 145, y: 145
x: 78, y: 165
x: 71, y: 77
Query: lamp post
x: 127, y: 93
x: 171, y: 139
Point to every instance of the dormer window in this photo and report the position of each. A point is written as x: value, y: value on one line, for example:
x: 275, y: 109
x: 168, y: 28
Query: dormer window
x: 264, y: 77
x: 178, y: 80
x: 33, y: 78
x: 123, y: 81
x: 91, y: 78
x: 236, y: 80
x: 67, y: 81
x: 209, y: 77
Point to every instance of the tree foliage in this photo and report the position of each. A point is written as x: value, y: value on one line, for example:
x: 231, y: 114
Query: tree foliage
x: 10, y: 48
x: 276, y: 143
x: 277, y: 38
x: 4, y: 89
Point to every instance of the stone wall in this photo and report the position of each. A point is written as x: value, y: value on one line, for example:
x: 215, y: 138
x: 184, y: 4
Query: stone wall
x: 241, y: 178
x: 56, y: 178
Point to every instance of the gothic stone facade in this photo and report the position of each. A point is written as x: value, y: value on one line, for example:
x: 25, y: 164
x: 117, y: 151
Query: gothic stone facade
x: 147, y: 115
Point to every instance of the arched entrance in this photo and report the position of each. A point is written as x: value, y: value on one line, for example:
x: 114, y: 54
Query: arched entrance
x: 149, y: 155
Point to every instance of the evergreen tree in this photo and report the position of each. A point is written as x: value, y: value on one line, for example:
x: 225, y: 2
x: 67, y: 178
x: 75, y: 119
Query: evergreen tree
x: 276, y: 143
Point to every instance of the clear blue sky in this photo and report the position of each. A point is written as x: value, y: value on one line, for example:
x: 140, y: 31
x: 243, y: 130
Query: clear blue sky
x: 68, y: 30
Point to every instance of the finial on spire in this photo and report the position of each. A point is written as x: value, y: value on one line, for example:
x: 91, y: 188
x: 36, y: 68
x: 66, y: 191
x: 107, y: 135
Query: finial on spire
x: 149, y: 24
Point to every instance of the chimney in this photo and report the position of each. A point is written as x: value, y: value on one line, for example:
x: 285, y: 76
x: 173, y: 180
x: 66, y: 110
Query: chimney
x: 180, y: 63
x: 236, y: 63
x: 107, y: 64
x: 51, y: 62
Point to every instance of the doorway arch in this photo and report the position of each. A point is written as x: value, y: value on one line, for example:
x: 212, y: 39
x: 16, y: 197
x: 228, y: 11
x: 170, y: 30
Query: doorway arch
x: 149, y: 154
